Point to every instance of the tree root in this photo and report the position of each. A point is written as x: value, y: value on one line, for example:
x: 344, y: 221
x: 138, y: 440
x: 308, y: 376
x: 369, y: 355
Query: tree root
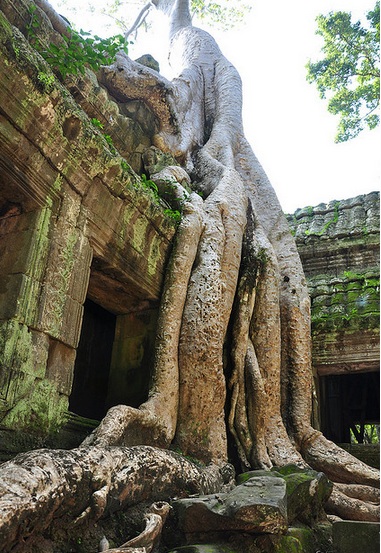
x: 128, y: 80
x: 350, y: 508
x: 147, y: 540
x: 339, y: 465
x: 357, y: 491
x: 42, y: 485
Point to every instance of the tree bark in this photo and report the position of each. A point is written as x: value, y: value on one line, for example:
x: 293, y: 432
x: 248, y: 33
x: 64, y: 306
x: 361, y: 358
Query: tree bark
x: 246, y: 257
x: 40, y: 486
x: 147, y: 540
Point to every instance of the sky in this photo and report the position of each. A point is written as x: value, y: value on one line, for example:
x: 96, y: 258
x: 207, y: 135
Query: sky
x: 285, y: 121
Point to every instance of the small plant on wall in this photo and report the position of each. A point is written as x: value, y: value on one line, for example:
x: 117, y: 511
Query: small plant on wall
x: 79, y: 51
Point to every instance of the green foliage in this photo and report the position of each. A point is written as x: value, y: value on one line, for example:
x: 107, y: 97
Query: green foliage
x: 80, y: 50
x: 147, y: 183
x: 174, y: 214
x: 47, y: 81
x: 223, y: 14
x: 349, y: 73
x: 108, y: 139
x: 97, y: 123
x: 371, y: 434
x: 125, y: 167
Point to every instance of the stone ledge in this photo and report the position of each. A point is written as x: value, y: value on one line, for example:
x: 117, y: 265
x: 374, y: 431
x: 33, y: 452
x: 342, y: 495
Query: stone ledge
x: 356, y: 537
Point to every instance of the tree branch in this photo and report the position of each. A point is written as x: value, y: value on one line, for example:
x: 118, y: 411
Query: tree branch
x: 139, y: 20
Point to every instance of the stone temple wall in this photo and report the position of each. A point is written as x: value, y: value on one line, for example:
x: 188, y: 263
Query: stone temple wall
x: 77, y: 229
x: 339, y: 244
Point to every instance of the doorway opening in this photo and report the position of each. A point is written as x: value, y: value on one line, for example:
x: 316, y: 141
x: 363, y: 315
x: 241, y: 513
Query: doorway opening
x: 93, y: 362
x: 350, y: 407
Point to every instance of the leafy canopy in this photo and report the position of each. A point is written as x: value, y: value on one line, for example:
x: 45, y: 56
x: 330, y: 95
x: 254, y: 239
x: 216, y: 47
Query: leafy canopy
x: 223, y: 14
x: 349, y: 73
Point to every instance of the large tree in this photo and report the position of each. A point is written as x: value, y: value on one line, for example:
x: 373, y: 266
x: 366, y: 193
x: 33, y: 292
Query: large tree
x: 349, y: 72
x: 233, y: 347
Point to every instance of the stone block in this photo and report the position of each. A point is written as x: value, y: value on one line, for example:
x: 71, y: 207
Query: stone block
x: 10, y: 287
x: 306, y: 537
x: 60, y: 316
x: 104, y: 209
x: 14, y: 221
x: 14, y: 252
x: 24, y: 243
x: 280, y: 544
x: 307, y: 491
x: 22, y: 349
x: 256, y: 506
x: 79, y: 280
x: 19, y: 295
x: 38, y: 408
x: 60, y: 366
x: 67, y: 275
x: 356, y: 537
x: 71, y: 323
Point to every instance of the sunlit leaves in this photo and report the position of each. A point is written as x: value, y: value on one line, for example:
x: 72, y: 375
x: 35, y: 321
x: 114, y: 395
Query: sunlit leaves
x: 349, y: 74
x: 83, y: 50
x: 223, y: 14
x: 80, y: 49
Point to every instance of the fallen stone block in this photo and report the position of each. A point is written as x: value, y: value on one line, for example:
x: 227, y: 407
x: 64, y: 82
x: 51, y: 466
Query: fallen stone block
x: 356, y: 537
x: 256, y: 506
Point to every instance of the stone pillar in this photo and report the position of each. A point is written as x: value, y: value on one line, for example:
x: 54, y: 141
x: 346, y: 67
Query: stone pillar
x: 44, y: 270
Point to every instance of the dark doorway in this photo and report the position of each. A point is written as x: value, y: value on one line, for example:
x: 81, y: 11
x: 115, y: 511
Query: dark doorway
x: 92, y: 365
x: 349, y: 402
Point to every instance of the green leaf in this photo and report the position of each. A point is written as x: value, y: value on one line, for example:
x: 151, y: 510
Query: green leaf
x: 348, y: 74
x: 78, y: 52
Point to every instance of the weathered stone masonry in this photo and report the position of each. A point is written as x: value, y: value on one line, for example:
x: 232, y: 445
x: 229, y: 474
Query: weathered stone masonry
x: 74, y: 223
x: 339, y: 244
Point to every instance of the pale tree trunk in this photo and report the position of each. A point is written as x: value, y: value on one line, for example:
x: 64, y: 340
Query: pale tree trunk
x: 233, y: 348
x: 247, y: 255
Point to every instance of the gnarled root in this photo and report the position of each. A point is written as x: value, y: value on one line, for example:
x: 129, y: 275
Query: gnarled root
x: 350, y: 508
x: 149, y: 538
x: 124, y: 425
x: 339, y: 465
x: 41, y: 486
x: 357, y: 491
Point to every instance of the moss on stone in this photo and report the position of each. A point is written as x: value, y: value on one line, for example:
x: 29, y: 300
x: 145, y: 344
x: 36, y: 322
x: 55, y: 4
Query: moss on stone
x: 288, y: 544
x: 32, y: 403
x: 41, y: 412
x: 350, y: 300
